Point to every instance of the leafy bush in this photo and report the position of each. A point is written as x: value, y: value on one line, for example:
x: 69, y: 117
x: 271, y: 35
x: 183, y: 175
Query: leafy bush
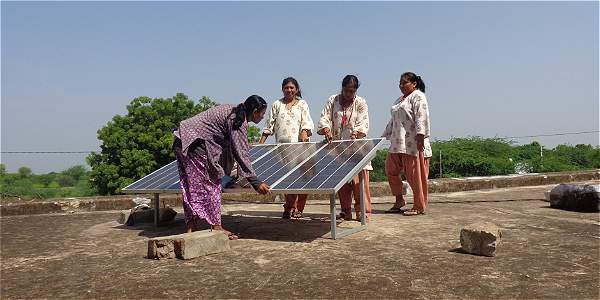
x: 476, y: 156
x: 65, y: 180
x: 63, y: 184
x: 378, y: 163
x: 24, y: 172
x: 75, y: 172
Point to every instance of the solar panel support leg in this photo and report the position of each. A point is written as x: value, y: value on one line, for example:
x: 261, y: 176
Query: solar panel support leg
x: 363, y: 217
x: 156, y: 208
x: 332, y: 211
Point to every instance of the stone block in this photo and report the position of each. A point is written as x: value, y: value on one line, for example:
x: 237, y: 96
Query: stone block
x: 188, y: 245
x: 480, y: 238
x: 583, y: 198
x: 166, y: 214
x: 124, y: 216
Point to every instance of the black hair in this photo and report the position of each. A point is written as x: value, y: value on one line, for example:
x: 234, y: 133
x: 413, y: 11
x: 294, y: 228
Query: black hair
x: 412, y: 77
x: 252, y: 104
x: 350, y: 80
x: 294, y: 82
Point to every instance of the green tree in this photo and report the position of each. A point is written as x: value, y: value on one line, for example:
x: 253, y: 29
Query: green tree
x: 24, y: 172
x: 472, y: 156
x: 65, y: 180
x: 141, y: 141
x: 45, y: 179
x: 253, y: 134
x: 76, y: 172
x: 378, y: 163
x: 2, y: 169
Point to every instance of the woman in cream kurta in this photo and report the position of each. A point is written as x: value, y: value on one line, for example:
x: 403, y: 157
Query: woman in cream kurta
x: 410, y: 151
x: 289, y: 120
x: 346, y: 116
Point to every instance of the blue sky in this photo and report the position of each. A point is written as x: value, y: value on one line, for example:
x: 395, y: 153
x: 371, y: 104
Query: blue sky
x: 491, y: 68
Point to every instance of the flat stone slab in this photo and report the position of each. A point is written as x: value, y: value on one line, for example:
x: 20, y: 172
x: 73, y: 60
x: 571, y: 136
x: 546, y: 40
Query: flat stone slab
x: 480, y: 238
x: 188, y: 245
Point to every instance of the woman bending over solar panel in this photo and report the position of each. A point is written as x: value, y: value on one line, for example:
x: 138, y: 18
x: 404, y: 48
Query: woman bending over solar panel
x: 206, y: 147
x: 289, y: 120
x: 346, y: 116
x: 410, y: 151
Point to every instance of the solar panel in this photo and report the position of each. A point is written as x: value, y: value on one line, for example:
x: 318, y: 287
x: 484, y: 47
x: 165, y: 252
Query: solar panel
x: 329, y: 167
x: 282, y: 160
x: 258, y: 151
x: 351, y: 164
x: 159, y: 179
x: 166, y: 179
x: 301, y: 167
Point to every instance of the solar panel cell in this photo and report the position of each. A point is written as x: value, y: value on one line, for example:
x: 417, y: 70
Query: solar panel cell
x: 315, y: 168
x: 258, y: 151
x: 287, y: 160
x: 361, y: 149
x: 154, y: 179
x: 331, y: 162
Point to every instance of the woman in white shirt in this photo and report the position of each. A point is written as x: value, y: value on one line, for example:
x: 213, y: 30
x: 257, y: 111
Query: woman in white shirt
x: 410, y: 151
x: 289, y: 120
x: 346, y: 116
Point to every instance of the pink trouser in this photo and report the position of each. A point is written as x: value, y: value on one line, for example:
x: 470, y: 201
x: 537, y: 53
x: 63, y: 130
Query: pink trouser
x: 349, y: 190
x: 416, y: 169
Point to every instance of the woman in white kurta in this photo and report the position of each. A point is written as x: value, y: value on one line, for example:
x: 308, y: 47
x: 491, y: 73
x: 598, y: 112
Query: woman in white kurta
x: 289, y: 120
x: 346, y: 116
x: 410, y: 151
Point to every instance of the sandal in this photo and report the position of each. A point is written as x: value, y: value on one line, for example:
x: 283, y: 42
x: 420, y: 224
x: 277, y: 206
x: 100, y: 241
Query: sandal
x: 395, y: 210
x: 347, y: 216
x: 367, y: 218
x: 413, y: 212
x: 297, y: 215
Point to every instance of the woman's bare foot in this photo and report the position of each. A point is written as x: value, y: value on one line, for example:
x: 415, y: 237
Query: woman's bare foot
x: 229, y: 234
x: 190, y: 227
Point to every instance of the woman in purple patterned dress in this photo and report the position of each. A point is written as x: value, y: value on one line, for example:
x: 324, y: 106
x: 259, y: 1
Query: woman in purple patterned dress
x: 206, y: 146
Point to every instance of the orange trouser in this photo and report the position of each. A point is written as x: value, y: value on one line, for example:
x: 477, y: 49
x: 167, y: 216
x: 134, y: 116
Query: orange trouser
x: 295, y: 201
x: 349, y: 190
x: 416, y: 169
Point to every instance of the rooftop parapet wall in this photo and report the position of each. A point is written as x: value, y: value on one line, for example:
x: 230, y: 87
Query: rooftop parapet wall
x: 378, y: 189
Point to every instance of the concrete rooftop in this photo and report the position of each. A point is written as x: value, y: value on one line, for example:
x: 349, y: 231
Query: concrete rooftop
x: 544, y: 253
